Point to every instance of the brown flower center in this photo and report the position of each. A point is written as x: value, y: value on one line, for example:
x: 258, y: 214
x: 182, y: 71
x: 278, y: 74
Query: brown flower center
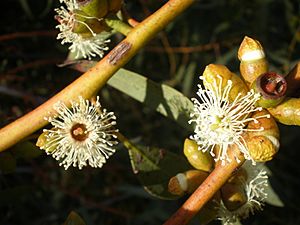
x: 79, y: 132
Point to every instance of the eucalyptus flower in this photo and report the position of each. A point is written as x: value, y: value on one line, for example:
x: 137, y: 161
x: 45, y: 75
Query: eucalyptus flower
x: 82, y: 135
x: 82, y: 31
x: 220, y: 122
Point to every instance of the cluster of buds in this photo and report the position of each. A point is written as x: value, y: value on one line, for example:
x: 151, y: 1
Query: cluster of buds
x: 82, y: 25
x: 235, y: 119
x: 240, y: 196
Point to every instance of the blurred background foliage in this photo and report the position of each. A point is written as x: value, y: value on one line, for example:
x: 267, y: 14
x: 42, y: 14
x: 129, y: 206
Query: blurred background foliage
x: 35, y: 190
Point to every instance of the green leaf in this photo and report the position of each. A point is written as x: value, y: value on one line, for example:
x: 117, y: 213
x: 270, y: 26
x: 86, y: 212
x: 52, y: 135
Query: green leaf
x: 26, y: 150
x: 74, y: 219
x: 162, y: 98
x: 154, y: 167
x: 7, y: 162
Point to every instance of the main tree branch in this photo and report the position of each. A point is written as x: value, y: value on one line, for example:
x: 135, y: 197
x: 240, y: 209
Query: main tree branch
x: 94, y: 79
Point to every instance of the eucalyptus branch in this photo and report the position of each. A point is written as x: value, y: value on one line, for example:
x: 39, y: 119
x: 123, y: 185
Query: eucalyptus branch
x: 90, y: 82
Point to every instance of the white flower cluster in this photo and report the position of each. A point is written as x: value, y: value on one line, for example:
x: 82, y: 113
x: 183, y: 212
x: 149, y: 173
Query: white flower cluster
x: 220, y: 122
x: 81, y: 135
x: 85, y: 47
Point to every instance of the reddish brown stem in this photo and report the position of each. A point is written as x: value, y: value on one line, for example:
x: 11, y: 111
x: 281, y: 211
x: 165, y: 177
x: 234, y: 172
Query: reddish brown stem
x: 203, y: 193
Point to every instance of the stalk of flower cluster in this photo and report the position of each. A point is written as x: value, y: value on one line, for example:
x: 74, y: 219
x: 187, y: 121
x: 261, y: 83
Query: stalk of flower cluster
x: 95, y: 78
x: 207, y: 189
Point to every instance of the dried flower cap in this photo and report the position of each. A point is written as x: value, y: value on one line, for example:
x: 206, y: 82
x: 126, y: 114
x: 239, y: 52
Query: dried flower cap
x: 81, y: 135
x: 250, y: 50
x: 254, y: 187
x: 220, y: 122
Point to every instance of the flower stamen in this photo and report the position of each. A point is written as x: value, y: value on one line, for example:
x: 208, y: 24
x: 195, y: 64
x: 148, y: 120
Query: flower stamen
x: 220, y: 122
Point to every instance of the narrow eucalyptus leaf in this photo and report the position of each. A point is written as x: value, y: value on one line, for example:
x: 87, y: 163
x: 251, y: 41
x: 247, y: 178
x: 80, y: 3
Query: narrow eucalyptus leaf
x: 26, y: 150
x: 160, y: 97
x: 154, y: 167
x: 74, y: 219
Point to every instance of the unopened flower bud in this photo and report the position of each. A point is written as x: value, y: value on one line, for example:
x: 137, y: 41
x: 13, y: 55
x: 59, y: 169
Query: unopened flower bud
x: 94, y: 8
x: 253, y: 61
x: 288, y: 112
x: 43, y: 140
x: 212, y: 71
x: 272, y: 87
x: 263, y: 143
x: 197, y: 158
x: 186, y: 182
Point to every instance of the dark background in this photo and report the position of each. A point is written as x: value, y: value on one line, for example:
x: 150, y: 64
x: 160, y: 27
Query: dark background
x: 38, y: 191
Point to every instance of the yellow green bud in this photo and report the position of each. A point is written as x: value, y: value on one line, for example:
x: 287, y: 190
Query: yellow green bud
x: 186, y: 182
x: 198, y: 159
x: 43, y: 140
x: 213, y: 71
x: 252, y: 59
x: 287, y: 112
